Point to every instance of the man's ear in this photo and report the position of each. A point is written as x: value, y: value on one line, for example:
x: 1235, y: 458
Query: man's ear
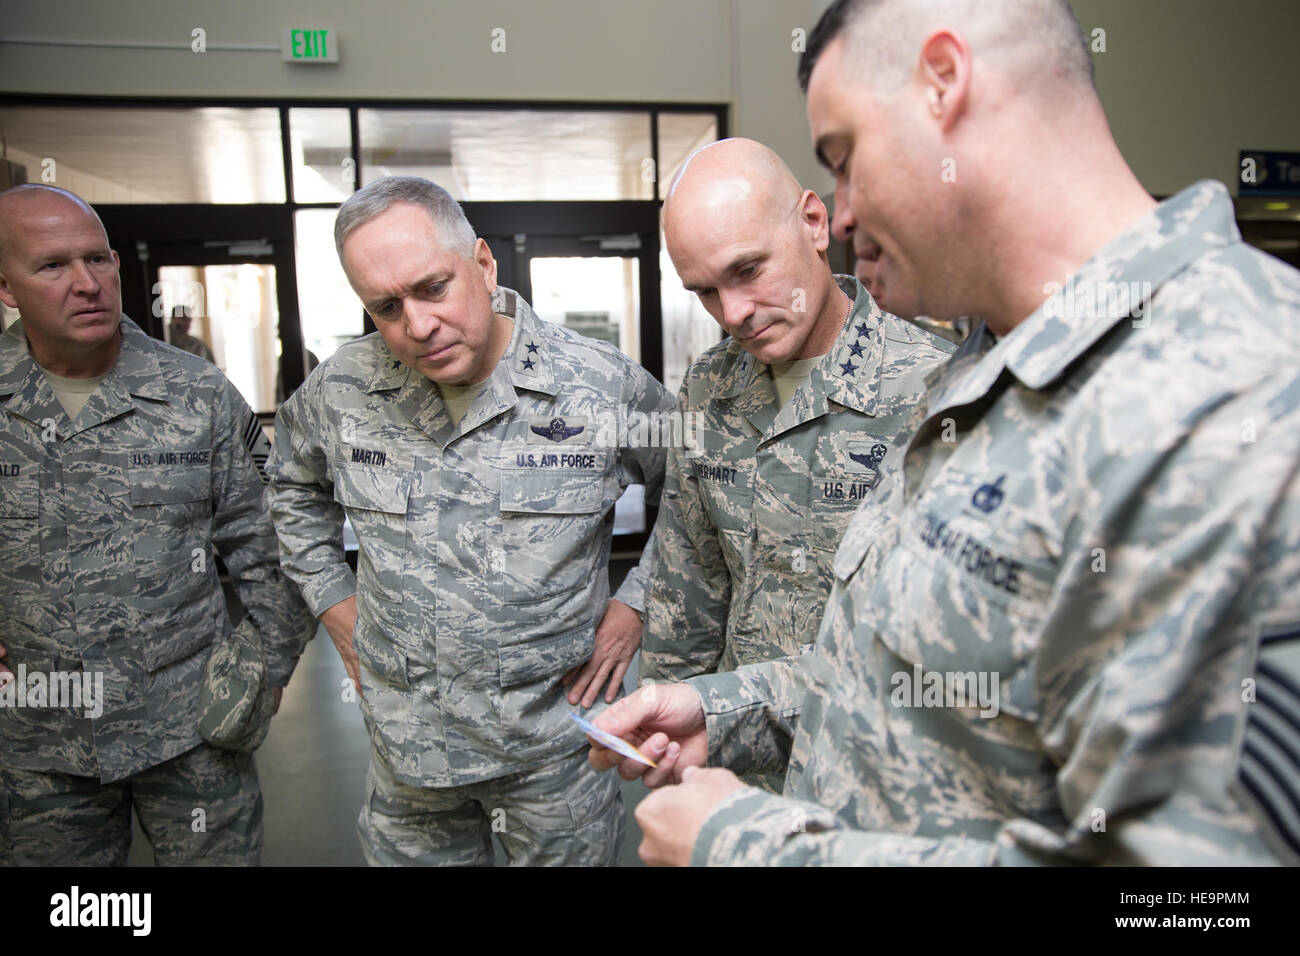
x: 943, y: 73
x: 6, y: 293
x: 815, y: 220
x: 487, y: 263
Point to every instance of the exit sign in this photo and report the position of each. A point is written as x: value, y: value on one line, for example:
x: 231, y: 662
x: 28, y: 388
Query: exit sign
x: 309, y: 45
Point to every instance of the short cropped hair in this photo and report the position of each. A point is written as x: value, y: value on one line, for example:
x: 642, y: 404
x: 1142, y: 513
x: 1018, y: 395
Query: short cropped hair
x: 374, y: 198
x: 881, y: 31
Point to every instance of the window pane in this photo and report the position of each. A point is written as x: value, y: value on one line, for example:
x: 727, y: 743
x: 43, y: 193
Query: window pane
x: 681, y: 134
x: 687, y: 328
x: 330, y: 310
x: 512, y: 155
x: 233, y: 312
x: 599, y: 297
x: 320, y: 144
x: 116, y: 155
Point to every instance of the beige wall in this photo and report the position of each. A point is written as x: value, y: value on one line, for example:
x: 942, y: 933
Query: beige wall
x: 1187, y: 83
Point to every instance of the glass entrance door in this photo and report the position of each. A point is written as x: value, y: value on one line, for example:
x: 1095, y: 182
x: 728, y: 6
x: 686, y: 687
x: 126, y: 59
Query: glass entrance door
x: 591, y: 284
x: 227, y: 314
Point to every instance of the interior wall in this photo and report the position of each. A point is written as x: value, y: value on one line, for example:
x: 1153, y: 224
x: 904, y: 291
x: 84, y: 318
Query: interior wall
x: 1186, y: 83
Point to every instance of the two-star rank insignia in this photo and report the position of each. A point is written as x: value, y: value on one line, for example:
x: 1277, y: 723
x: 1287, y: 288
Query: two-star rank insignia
x: 526, y: 361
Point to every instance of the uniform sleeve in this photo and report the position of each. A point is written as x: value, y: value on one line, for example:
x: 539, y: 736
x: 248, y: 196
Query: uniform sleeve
x: 308, y: 521
x: 750, y: 714
x: 643, y: 464
x: 690, y: 586
x: 242, y: 534
x: 1164, y: 681
x: 632, y: 591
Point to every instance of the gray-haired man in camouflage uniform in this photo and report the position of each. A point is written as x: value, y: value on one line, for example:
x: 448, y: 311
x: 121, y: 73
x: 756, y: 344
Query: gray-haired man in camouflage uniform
x: 1079, y: 642
x: 475, y: 450
x: 125, y: 464
x: 799, y: 413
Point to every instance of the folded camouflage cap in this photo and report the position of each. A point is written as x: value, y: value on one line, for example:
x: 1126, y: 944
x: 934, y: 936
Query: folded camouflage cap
x: 235, y: 699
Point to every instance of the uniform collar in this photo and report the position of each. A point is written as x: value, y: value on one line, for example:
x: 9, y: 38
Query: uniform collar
x: 526, y: 364
x: 1123, y: 276
x: 528, y: 356
x: 848, y: 374
x: 136, y: 374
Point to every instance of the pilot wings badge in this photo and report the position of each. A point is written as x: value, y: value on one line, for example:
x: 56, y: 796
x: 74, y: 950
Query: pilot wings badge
x: 560, y: 431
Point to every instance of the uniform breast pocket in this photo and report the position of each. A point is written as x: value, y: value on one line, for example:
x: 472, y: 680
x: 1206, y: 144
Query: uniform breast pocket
x: 20, y: 554
x: 834, y: 498
x: 729, y: 501
x: 957, y: 599
x: 552, y: 521
x: 376, y: 501
x: 172, y: 492
x: 171, y: 512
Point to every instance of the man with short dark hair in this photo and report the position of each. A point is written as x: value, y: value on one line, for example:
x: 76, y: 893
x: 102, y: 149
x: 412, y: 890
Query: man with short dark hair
x: 126, y: 467
x: 1077, y: 643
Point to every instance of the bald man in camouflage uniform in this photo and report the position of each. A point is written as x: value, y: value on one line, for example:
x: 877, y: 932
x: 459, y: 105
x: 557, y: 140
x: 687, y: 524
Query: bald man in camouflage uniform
x: 753, y: 514
x: 795, y: 424
x: 126, y: 467
x: 484, y: 521
x: 1079, y: 642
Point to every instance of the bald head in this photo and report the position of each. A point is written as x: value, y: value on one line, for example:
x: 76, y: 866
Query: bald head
x: 735, y: 178
x: 20, y: 206
x: 751, y: 243
x: 56, y: 268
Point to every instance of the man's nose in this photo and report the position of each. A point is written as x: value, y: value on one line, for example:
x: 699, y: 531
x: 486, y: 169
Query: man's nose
x: 421, y: 321
x: 842, y: 223
x: 736, y: 308
x: 83, y: 279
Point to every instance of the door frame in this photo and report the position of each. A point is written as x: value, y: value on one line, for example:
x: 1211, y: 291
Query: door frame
x: 142, y: 232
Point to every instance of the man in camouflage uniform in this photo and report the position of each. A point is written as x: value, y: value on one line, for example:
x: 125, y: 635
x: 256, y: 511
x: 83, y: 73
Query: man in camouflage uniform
x: 125, y: 468
x: 1079, y: 642
x: 752, y: 516
x: 475, y: 450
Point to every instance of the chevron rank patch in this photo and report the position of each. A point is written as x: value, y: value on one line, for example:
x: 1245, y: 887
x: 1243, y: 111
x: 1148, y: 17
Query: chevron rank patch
x: 1269, y: 768
x: 259, y: 446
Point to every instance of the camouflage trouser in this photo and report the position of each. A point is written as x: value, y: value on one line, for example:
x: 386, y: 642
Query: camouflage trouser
x: 56, y: 819
x: 560, y: 814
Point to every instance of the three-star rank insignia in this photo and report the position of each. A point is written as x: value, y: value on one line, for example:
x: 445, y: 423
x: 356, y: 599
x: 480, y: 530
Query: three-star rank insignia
x: 846, y: 368
x: 560, y: 431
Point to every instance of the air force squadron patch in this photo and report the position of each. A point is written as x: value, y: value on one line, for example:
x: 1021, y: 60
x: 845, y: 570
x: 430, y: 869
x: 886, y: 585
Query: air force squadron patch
x: 558, y: 431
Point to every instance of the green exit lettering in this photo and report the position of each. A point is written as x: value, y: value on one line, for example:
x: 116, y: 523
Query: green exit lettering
x: 309, y: 44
